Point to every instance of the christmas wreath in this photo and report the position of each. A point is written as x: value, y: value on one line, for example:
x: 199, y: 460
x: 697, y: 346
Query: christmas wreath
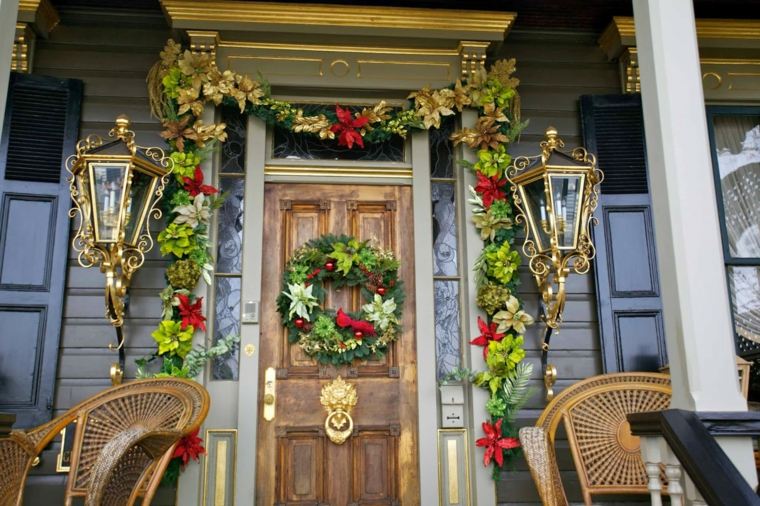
x: 337, y: 336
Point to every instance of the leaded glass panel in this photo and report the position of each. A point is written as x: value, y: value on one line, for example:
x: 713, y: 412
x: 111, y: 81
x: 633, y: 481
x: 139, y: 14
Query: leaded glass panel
x: 448, y: 341
x: 233, y: 149
x: 230, y: 232
x: 444, y: 229
x: 442, y: 159
x: 226, y: 322
x: 296, y: 146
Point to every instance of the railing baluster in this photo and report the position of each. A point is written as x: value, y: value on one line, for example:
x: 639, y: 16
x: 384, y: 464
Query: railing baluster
x: 650, y: 453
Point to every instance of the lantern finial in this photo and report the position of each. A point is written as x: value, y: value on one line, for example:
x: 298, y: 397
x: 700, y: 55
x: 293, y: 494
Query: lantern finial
x: 551, y: 142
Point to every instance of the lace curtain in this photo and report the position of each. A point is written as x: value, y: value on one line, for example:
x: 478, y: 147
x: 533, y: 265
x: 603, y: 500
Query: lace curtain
x: 737, y: 144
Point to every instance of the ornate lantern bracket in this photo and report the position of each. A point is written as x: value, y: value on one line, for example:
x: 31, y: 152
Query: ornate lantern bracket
x: 115, y: 188
x: 555, y: 193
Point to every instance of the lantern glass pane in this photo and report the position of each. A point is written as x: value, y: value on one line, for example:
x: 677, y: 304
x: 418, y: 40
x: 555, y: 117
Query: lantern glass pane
x: 534, y: 196
x: 108, y: 186
x: 138, y: 201
x: 567, y: 192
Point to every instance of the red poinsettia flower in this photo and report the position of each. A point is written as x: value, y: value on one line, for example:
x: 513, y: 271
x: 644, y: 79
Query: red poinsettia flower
x: 495, y: 444
x: 189, y: 447
x: 490, y: 189
x: 342, y: 319
x: 364, y: 327
x: 191, y: 313
x: 346, y: 127
x: 487, y: 334
x: 194, y: 185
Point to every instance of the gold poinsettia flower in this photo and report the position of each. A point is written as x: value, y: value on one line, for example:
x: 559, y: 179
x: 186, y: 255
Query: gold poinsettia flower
x: 512, y: 317
x: 197, y: 66
x: 461, y: 95
x: 188, y: 101
x: 203, y: 133
x: 489, y: 224
x: 431, y: 105
x: 476, y: 83
x: 247, y: 90
x: 170, y: 53
x: 486, y: 134
x: 377, y: 113
x: 494, y: 113
x: 178, y: 131
x: 502, y: 71
x: 219, y: 85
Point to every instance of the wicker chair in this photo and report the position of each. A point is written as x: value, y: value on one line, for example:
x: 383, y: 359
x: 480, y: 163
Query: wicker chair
x: 122, y: 443
x: 606, y: 455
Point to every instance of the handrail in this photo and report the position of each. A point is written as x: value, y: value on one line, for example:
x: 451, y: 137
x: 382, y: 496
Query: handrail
x: 712, y: 472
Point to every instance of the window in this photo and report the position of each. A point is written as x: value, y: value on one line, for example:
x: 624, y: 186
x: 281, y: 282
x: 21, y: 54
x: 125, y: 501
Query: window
x: 735, y: 146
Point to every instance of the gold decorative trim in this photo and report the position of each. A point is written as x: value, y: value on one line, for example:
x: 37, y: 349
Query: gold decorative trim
x: 231, y: 434
x: 621, y: 32
x: 629, y: 70
x: 450, y: 491
x: 40, y: 13
x: 222, y: 13
x: 336, y: 48
x: 337, y: 171
x: 472, y: 56
x: 21, y: 54
x: 203, y: 41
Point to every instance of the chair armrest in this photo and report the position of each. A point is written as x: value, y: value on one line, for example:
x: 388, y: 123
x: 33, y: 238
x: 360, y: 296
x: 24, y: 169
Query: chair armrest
x: 539, y: 453
x: 16, y: 455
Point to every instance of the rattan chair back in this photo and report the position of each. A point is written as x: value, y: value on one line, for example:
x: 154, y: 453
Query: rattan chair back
x: 606, y: 456
x: 121, y: 444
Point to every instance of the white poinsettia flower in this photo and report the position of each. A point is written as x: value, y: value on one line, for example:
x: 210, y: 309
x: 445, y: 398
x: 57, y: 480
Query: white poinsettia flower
x: 477, y: 201
x: 301, y: 300
x: 194, y: 214
x: 380, y: 312
x: 512, y: 317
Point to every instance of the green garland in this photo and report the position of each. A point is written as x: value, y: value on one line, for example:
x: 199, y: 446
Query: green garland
x: 336, y: 337
x: 182, y: 83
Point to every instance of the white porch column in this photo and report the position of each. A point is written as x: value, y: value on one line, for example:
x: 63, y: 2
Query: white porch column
x: 8, y: 14
x: 694, y: 294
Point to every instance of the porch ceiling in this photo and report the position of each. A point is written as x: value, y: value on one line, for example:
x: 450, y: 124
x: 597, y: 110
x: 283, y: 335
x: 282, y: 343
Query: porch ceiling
x: 575, y: 15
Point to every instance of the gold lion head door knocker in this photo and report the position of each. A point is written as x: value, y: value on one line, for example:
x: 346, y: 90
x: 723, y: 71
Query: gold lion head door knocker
x: 338, y: 398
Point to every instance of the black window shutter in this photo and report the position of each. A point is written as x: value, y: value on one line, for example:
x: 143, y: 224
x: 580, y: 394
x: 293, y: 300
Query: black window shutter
x: 40, y: 130
x: 625, y: 270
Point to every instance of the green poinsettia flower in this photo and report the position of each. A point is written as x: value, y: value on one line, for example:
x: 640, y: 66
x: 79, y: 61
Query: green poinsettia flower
x: 502, y: 359
x: 176, y: 239
x: 502, y: 263
x: 301, y: 300
x: 184, y: 164
x: 171, y: 82
x: 493, y: 162
x: 380, y: 312
x: 172, y: 340
x: 496, y: 406
x: 345, y: 254
x: 324, y: 328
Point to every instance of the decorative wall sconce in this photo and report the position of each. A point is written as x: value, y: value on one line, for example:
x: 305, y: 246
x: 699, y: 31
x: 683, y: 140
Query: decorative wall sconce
x: 556, y: 193
x: 115, y: 187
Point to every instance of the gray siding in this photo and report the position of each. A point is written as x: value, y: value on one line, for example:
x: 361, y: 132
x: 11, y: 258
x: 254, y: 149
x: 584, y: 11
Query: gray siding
x: 112, y: 54
x: 555, y: 69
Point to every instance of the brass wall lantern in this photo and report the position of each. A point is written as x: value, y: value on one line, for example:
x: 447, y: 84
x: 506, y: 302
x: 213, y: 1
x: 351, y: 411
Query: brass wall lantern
x: 115, y: 187
x: 555, y: 193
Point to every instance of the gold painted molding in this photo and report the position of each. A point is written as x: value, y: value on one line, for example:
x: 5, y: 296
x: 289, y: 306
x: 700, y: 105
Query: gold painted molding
x: 722, y: 77
x: 338, y: 171
x: 21, y: 54
x: 40, y: 13
x: 621, y: 32
x: 326, y: 18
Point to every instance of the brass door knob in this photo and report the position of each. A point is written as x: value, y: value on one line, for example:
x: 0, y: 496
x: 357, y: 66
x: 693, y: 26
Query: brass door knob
x: 268, y: 399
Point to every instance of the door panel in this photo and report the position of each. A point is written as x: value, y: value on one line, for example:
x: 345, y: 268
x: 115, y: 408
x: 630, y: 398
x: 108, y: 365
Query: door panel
x: 297, y: 463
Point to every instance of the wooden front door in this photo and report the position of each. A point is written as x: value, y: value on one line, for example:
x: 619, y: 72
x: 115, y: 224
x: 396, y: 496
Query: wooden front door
x: 297, y: 464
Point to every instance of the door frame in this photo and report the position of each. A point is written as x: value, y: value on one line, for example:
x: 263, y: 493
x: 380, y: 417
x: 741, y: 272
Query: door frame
x: 253, y: 229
